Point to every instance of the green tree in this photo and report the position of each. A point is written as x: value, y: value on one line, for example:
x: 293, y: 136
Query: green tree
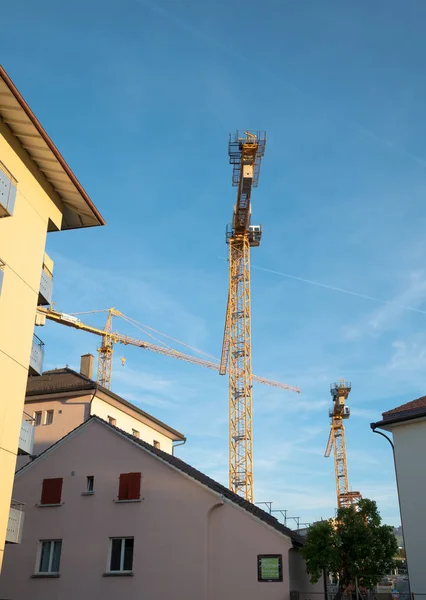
x: 353, y: 546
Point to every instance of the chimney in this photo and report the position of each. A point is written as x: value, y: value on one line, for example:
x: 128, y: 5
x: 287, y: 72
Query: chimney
x: 86, y: 365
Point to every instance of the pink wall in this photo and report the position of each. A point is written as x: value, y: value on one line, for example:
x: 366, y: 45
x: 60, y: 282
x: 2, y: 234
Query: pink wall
x: 184, y: 548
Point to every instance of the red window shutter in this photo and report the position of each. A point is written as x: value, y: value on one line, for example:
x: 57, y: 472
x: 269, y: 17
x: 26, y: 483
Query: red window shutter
x: 134, y: 486
x: 123, y: 488
x: 130, y: 486
x: 51, y: 491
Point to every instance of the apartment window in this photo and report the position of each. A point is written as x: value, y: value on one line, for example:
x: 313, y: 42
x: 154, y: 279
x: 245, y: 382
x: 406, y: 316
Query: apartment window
x: 90, y: 484
x: 121, y: 555
x: 37, y: 418
x: 49, y: 417
x: 51, y: 491
x: 136, y: 433
x: 112, y: 421
x: 130, y: 486
x: 49, y: 558
x: 7, y: 192
x: 157, y: 444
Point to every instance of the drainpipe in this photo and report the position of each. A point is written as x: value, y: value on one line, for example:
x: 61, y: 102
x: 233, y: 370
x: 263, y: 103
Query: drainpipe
x: 206, y: 594
x: 373, y: 427
x: 182, y: 443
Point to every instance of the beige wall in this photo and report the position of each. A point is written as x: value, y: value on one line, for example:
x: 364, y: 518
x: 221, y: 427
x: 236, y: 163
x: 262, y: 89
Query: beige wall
x: 188, y: 545
x: 22, y: 246
x: 410, y: 452
x: 126, y: 422
x: 68, y: 413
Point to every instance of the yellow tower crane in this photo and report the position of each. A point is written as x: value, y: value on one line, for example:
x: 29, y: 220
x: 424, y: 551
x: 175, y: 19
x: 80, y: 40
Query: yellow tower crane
x: 109, y: 338
x: 245, y: 154
x: 340, y: 411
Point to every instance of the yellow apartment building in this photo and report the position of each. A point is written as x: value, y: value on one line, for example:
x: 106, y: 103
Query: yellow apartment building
x: 38, y: 194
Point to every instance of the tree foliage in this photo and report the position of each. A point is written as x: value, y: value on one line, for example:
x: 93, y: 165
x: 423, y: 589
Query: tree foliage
x: 354, y: 545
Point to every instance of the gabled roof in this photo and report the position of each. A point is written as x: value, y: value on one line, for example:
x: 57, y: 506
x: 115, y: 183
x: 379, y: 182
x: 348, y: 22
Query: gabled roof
x: 188, y: 470
x: 59, y: 381
x: 18, y: 116
x: 414, y: 409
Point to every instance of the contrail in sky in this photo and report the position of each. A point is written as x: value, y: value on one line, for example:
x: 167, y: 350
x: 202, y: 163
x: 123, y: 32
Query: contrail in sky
x: 341, y: 290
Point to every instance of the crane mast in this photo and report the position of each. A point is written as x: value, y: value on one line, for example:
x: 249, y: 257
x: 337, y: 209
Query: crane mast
x: 340, y: 411
x: 245, y: 154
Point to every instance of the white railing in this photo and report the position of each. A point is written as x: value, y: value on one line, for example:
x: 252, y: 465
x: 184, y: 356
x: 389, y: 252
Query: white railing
x: 16, y: 522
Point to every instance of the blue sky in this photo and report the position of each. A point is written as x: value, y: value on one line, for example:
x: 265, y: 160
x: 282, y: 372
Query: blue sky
x: 140, y: 97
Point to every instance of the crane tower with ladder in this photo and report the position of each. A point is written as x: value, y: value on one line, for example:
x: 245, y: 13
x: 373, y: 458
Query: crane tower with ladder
x: 246, y: 150
x: 340, y: 411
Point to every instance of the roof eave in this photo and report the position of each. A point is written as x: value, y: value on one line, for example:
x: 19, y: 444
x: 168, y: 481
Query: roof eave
x: 75, y: 220
x: 398, y: 418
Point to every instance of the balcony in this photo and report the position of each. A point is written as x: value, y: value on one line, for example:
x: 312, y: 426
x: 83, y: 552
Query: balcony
x: 46, y: 282
x: 16, y: 523
x: 26, y: 436
x: 7, y: 192
x: 36, y: 358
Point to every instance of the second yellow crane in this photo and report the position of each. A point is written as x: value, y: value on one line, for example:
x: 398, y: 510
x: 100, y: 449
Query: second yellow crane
x: 110, y: 338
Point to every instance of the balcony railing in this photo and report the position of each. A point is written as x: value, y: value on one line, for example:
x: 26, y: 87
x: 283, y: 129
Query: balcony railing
x: 46, y: 282
x: 37, y: 355
x: 46, y: 287
x: 16, y: 523
x: 26, y: 436
x: 7, y: 192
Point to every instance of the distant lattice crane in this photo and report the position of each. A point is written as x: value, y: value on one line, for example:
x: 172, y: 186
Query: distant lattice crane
x: 246, y: 150
x: 340, y: 411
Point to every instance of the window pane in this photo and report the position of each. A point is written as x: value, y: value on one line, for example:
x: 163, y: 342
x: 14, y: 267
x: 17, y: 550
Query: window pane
x: 44, y: 557
x: 128, y: 554
x: 90, y: 484
x: 37, y: 417
x: 49, y: 417
x: 115, y: 555
x: 57, y: 546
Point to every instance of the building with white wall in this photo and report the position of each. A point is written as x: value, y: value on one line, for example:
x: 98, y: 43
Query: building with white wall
x: 62, y: 399
x: 407, y: 423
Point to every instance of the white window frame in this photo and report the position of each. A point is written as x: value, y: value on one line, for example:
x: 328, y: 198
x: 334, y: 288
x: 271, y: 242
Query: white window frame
x: 38, y: 412
x: 90, y: 479
x: 46, y: 416
x: 40, y: 546
x: 121, y: 554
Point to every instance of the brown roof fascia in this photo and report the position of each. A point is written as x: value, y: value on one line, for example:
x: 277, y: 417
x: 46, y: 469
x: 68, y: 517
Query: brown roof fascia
x: 56, y: 395
x: 50, y: 144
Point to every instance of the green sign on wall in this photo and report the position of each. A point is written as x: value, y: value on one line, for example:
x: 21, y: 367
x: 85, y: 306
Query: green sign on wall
x: 269, y: 567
